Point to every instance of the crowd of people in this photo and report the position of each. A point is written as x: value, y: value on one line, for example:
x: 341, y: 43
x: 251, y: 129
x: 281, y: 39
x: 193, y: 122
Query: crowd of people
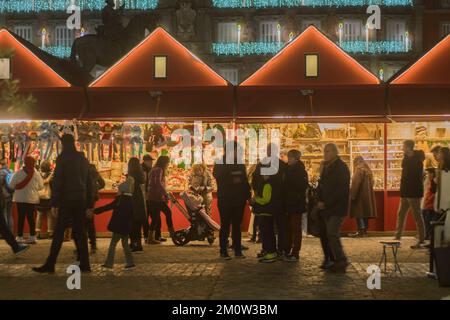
x: 66, y: 198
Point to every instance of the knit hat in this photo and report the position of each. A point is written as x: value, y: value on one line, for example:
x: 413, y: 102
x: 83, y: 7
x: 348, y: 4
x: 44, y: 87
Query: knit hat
x: 127, y: 186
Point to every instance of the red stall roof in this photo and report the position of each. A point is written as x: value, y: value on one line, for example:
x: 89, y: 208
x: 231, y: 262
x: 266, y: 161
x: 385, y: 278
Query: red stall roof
x: 343, y: 89
x: 40, y: 74
x: 422, y: 90
x: 129, y: 89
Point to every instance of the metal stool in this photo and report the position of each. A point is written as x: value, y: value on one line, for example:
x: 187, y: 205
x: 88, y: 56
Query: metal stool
x: 394, y: 245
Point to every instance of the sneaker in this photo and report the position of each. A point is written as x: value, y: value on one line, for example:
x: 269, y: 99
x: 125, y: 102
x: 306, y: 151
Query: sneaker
x: 291, y: 258
x: 225, y: 256
x: 239, y: 256
x: 252, y: 240
x: 137, y: 250
x: 20, y: 239
x: 261, y: 254
x: 85, y: 269
x: 340, y: 267
x: 326, y: 265
x: 44, y: 269
x: 419, y: 245
x: 244, y: 248
x: 269, y: 257
x: 21, y: 249
x: 162, y: 239
x: 130, y: 267
x: 31, y: 240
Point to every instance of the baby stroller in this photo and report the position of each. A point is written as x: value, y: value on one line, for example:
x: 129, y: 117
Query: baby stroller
x: 202, y: 226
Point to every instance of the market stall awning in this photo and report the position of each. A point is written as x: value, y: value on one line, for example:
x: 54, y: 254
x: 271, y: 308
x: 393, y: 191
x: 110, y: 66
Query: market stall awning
x: 311, y: 78
x: 43, y: 76
x: 422, y: 90
x: 160, y: 79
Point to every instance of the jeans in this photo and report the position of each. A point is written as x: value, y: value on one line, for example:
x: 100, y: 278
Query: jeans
x: 7, y: 214
x: 294, y: 234
x: 414, y: 205
x: 26, y: 210
x: 230, y: 217
x: 116, y: 237
x: 266, y: 224
x: 429, y: 215
x: 330, y: 238
x: 156, y: 207
x: 40, y: 216
x: 256, y: 226
x: 74, y: 215
x: 363, y: 223
x: 6, y: 233
x: 280, y: 219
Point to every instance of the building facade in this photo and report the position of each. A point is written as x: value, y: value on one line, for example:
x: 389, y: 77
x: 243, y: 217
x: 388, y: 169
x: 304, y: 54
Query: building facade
x: 236, y: 37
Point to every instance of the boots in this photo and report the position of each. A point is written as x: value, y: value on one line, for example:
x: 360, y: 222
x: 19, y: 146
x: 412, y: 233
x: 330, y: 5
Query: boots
x: 151, y: 238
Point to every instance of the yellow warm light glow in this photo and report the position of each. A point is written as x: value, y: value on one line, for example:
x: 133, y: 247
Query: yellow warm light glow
x: 312, y: 65
x: 161, y: 67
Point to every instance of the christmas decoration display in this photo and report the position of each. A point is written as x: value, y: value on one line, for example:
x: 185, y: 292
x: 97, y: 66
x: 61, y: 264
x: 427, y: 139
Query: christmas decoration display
x: 307, y: 3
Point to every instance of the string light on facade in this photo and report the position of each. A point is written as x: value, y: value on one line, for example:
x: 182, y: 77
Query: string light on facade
x: 374, y: 47
x: 61, y: 5
x: 307, y: 3
x: 58, y: 51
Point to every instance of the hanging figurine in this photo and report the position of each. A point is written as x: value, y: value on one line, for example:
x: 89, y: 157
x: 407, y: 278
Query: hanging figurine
x: 106, y: 140
x: 94, y: 129
x: 118, y: 146
x: 136, y: 141
x: 84, y: 138
x: 5, y: 139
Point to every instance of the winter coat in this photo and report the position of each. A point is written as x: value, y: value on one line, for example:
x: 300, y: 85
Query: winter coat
x: 334, y: 188
x: 139, y: 204
x: 30, y: 193
x: 233, y: 188
x: 295, y: 186
x: 411, y: 183
x: 442, y: 198
x: 72, y: 184
x: 157, y: 185
x: 122, y: 216
x: 362, y: 196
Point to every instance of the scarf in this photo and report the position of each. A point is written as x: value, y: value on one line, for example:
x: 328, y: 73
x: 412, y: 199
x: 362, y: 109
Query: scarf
x: 29, y: 170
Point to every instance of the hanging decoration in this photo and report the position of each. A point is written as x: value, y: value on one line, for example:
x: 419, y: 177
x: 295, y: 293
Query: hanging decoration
x: 307, y: 3
x: 247, y: 48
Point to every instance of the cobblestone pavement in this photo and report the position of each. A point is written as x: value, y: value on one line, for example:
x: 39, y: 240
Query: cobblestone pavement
x: 195, y: 272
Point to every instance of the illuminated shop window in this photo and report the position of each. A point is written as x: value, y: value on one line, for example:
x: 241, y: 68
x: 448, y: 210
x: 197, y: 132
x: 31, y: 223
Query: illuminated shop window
x: 160, y: 67
x: 311, y: 65
x: 445, y: 29
x: 5, y: 69
x: 25, y: 32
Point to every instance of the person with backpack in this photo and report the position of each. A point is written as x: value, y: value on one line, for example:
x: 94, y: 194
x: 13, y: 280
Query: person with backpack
x: 27, y: 182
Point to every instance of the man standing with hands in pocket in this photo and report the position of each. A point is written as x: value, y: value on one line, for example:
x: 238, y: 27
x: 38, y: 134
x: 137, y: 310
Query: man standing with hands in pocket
x: 71, y: 202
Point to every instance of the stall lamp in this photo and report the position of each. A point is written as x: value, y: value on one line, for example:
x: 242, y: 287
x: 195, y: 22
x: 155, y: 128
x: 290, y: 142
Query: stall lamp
x: 5, y: 68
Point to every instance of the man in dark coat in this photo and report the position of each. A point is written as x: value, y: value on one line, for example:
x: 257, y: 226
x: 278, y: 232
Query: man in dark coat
x: 233, y: 192
x: 333, y: 193
x: 147, y: 165
x: 98, y: 183
x: 296, y: 184
x: 411, y: 191
x: 71, y: 201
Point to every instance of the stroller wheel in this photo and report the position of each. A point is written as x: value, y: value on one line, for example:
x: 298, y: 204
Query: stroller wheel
x: 180, y: 238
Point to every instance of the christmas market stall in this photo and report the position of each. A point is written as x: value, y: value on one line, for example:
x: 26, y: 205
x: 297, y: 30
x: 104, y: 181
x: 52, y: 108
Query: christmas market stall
x: 419, y: 107
x: 157, y: 88
x: 315, y: 93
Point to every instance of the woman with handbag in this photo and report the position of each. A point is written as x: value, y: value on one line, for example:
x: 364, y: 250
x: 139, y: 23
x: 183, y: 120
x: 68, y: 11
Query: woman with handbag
x: 44, y: 206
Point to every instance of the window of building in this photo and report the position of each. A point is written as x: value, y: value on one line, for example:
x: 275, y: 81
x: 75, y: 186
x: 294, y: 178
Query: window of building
x: 227, y: 32
x: 311, y: 65
x: 395, y: 30
x: 63, y: 36
x: 307, y: 22
x: 5, y: 69
x: 25, y: 32
x: 230, y: 74
x: 352, y: 30
x: 445, y: 3
x: 445, y: 29
x: 268, y: 31
x: 160, y: 67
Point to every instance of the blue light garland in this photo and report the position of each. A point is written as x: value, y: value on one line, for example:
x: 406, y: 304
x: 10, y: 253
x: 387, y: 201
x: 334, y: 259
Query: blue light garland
x: 307, y: 3
x: 58, y: 51
x: 61, y: 5
x: 270, y: 48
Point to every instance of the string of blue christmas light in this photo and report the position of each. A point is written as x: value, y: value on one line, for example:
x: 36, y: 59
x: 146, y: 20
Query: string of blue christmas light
x: 61, y: 5
x: 270, y: 48
x: 59, y: 51
x: 307, y: 3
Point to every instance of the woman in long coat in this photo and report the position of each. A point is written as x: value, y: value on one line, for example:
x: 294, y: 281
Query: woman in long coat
x: 363, y: 203
x: 139, y: 206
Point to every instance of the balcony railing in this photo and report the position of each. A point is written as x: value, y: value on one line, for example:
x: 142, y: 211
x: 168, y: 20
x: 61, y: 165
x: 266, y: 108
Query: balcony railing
x: 271, y: 48
x: 307, y: 3
x: 26, y: 6
x: 58, y: 51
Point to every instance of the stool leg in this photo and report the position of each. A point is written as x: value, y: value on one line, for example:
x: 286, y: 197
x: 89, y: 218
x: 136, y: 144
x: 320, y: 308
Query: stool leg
x: 397, y: 266
x: 383, y: 259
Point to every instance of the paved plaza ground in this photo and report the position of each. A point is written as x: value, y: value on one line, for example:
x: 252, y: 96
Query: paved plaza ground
x: 196, y: 272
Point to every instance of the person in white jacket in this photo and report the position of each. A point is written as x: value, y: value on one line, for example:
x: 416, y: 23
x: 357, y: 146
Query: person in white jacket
x: 442, y: 199
x: 26, y: 183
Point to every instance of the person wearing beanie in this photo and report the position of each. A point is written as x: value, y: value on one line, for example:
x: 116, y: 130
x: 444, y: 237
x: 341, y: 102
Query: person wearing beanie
x: 71, y: 201
x: 27, y: 182
x: 121, y: 222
